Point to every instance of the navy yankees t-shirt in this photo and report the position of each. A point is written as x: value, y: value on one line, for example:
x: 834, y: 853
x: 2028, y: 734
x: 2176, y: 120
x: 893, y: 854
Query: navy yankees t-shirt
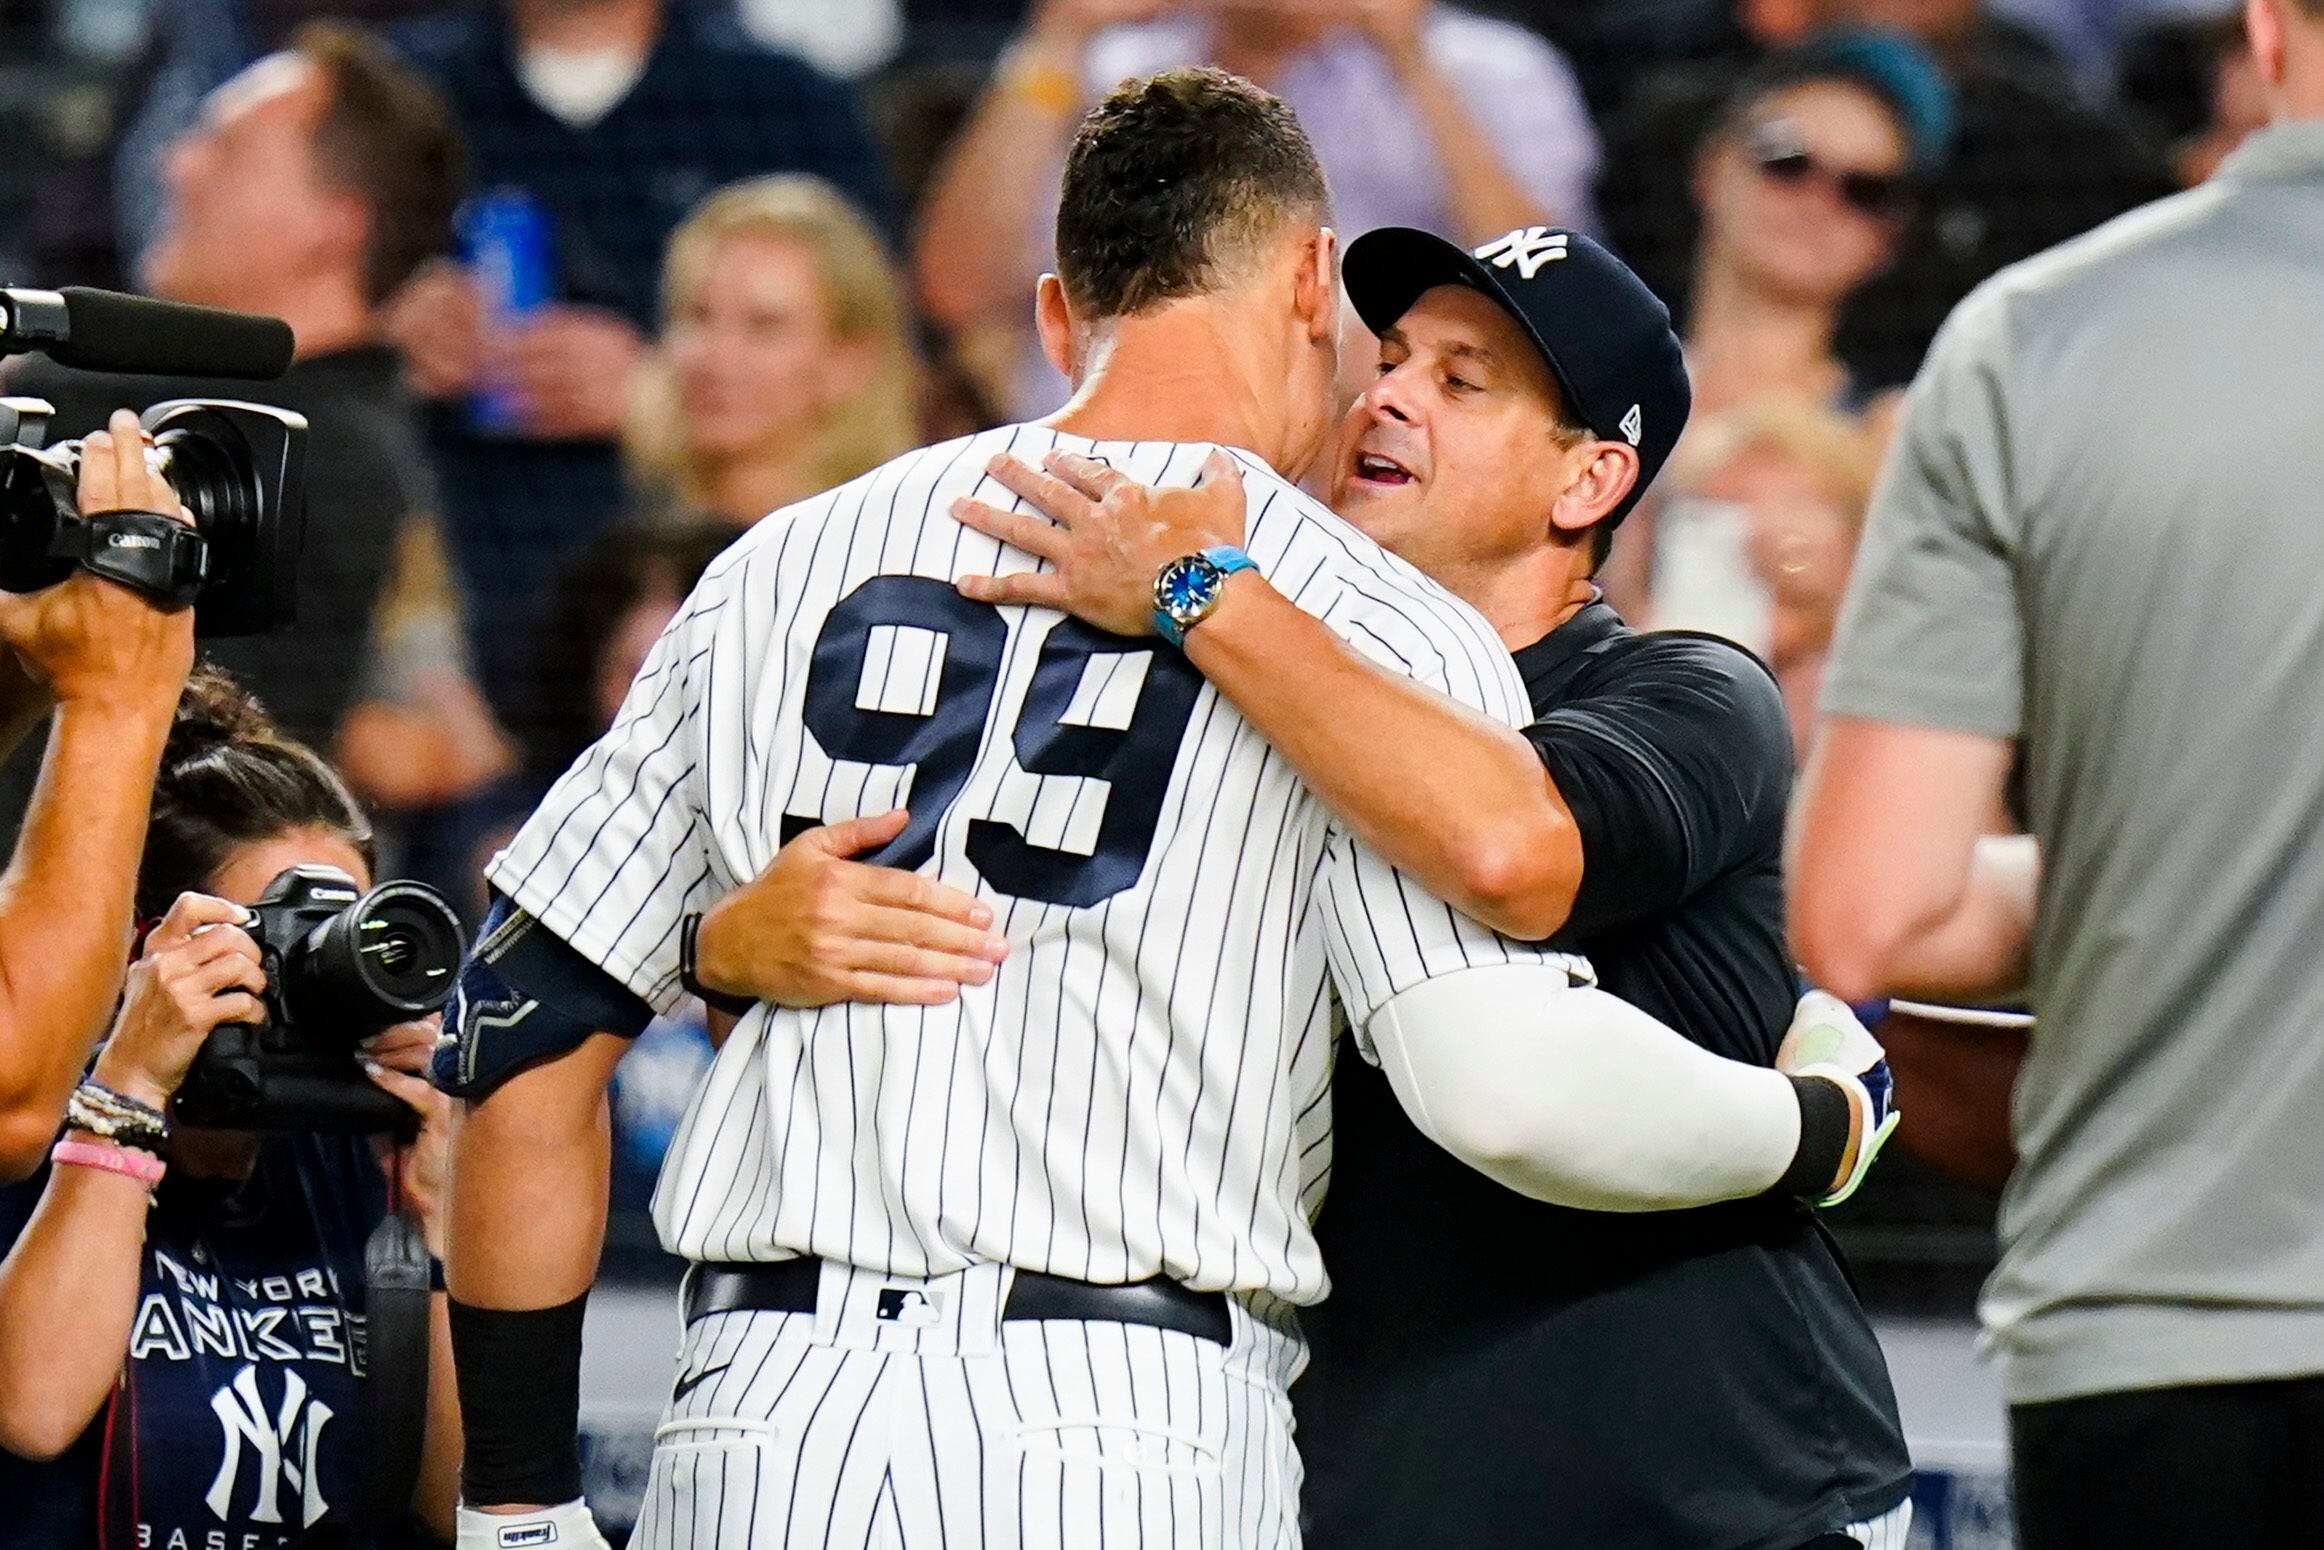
x: 237, y: 1425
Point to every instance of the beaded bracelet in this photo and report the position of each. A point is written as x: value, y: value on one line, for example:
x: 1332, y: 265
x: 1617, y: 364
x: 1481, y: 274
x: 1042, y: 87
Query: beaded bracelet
x: 116, y: 1117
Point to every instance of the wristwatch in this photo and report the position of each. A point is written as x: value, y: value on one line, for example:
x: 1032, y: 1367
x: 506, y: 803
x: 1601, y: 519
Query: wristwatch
x: 1187, y: 590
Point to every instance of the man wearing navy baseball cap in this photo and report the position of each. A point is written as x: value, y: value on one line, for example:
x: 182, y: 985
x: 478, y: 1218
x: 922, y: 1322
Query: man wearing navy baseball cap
x: 1613, y: 360
x: 1490, y: 1369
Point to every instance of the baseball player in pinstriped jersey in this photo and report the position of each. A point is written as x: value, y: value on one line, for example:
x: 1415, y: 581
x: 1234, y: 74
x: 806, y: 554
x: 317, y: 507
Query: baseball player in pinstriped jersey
x: 1018, y: 1267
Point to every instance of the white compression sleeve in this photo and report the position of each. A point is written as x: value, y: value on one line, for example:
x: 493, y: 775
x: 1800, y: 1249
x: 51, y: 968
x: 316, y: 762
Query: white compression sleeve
x: 1569, y: 1095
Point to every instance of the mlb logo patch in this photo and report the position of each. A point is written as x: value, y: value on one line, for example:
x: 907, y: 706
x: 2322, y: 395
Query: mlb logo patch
x: 905, y: 1305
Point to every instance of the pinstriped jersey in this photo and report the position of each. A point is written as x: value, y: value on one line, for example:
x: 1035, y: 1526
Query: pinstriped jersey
x: 1141, y: 1088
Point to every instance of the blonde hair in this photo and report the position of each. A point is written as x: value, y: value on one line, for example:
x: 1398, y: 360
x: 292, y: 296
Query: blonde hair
x: 1833, y: 449
x: 863, y: 298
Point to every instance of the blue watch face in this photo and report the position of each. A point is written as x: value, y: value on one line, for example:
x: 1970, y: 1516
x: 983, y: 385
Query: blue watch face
x: 1187, y: 587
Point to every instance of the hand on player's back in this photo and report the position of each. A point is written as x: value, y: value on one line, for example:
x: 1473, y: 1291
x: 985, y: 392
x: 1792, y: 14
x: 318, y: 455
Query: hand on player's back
x: 816, y: 927
x: 1106, y: 537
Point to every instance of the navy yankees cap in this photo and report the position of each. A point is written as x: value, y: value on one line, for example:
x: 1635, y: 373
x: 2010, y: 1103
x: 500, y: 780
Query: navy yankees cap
x: 1606, y: 337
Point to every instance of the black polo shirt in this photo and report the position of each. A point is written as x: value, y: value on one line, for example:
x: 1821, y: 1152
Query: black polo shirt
x: 1490, y: 1370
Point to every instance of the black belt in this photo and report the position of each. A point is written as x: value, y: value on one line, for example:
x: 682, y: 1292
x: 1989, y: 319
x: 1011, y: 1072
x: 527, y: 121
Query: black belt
x: 790, y: 1285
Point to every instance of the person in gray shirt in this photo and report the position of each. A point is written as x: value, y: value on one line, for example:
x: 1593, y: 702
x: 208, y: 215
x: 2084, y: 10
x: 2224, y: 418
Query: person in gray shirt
x: 2098, y: 546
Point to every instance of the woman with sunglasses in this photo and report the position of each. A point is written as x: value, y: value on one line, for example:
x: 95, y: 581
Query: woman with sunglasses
x: 1806, y: 191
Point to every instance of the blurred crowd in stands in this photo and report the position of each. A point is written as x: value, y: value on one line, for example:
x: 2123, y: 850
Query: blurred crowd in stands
x: 582, y: 287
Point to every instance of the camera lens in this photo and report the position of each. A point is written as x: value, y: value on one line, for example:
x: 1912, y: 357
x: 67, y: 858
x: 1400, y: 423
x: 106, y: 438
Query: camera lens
x: 203, y: 473
x: 396, y: 951
x: 407, y: 943
x: 392, y: 955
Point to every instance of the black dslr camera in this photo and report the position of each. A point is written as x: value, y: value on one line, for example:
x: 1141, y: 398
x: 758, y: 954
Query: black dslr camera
x: 238, y: 469
x: 341, y: 965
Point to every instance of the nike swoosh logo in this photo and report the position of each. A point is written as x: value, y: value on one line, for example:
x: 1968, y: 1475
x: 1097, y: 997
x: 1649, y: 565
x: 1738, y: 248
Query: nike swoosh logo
x: 688, y: 1385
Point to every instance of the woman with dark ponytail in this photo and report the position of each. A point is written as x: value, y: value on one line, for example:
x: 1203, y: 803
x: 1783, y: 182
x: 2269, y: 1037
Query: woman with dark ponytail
x: 181, y: 1318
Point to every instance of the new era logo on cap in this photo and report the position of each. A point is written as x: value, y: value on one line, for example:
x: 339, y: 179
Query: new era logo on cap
x: 1528, y: 247
x: 1634, y: 425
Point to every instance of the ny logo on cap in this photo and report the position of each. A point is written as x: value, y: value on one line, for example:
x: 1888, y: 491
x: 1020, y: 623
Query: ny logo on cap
x: 1528, y: 247
x: 1633, y: 425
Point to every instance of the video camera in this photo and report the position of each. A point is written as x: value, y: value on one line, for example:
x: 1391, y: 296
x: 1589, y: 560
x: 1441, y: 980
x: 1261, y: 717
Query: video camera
x: 239, y: 469
x: 341, y: 965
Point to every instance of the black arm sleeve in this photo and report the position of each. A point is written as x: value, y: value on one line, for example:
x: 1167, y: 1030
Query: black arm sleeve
x: 526, y: 996
x: 1675, y: 770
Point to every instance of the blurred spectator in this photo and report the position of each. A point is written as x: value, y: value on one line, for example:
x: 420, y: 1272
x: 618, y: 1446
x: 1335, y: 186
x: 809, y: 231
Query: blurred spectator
x: 1611, y: 43
x: 615, y: 117
x: 1957, y: 30
x: 785, y: 365
x: 1804, y: 189
x: 847, y: 38
x: 1756, y: 535
x: 312, y: 186
x: 1422, y: 115
x: 2031, y: 166
x: 603, y: 609
x: 610, y: 603
x: 2091, y: 35
x: 191, y: 49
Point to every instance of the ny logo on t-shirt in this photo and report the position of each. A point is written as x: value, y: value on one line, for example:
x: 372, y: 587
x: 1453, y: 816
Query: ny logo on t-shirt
x: 282, y: 1447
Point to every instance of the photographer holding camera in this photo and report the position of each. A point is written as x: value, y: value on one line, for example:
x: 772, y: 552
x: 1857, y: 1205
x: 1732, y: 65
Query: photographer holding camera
x: 110, y: 663
x: 183, y: 1341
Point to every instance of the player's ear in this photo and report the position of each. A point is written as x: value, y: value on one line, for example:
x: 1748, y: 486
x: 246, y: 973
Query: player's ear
x: 1053, y: 318
x: 1317, y: 285
x: 1607, y: 471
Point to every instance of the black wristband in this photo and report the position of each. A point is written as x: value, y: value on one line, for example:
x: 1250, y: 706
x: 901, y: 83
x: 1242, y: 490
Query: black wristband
x: 159, y: 556
x: 689, y: 931
x: 1824, y: 1117
x: 520, y: 1403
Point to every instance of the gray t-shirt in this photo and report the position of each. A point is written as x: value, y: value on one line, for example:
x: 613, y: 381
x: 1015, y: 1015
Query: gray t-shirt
x: 2101, y: 533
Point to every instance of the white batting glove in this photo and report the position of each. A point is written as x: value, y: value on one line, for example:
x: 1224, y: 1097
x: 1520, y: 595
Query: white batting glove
x: 1827, y: 1040
x: 569, y: 1527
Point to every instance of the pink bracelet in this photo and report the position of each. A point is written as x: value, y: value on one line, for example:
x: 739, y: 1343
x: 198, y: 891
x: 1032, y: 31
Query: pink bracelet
x: 140, y: 1166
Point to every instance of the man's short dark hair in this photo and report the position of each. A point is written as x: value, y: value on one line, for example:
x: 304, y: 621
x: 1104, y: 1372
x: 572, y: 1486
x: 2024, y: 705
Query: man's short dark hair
x: 387, y: 138
x: 1174, y: 179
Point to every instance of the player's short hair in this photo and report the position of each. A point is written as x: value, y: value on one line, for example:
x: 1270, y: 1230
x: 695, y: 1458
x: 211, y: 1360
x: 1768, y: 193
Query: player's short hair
x: 1173, y: 181
x: 387, y: 138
